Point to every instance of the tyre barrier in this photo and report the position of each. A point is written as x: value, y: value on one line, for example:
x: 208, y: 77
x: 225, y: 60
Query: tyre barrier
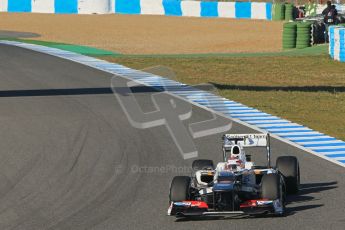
x: 289, y: 35
x: 337, y: 42
x: 278, y: 11
x: 303, y: 39
x: 283, y: 11
x: 297, y: 35
x: 289, y: 10
x: 318, y: 32
x: 247, y: 10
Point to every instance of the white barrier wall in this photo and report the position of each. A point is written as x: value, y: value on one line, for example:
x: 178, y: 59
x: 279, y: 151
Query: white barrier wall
x: 190, y: 8
x: 152, y: 7
x: 257, y: 9
x: 3, y: 6
x: 226, y: 10
x: 43, y: 6
x: 248, y: 10
x: 94, y: 7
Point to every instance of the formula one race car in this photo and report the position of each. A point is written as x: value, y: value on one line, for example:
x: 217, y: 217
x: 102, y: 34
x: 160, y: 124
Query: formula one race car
x: 236, y: 186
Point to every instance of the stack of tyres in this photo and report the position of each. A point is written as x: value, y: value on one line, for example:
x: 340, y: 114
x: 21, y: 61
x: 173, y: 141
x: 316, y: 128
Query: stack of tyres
x: 289, y: 12
x: 318, y: 32
x: 278, y: 12
x: 289, y: 35
x: 303, y: 35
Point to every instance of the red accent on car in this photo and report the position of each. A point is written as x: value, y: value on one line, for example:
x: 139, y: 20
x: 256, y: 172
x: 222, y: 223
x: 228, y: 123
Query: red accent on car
x: 251, y: 203
x: 198, y: 204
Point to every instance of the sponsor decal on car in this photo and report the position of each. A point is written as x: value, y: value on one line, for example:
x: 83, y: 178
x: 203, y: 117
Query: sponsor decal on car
x: 182, y: 203
x: 263, y: 202
x: 198, y: 204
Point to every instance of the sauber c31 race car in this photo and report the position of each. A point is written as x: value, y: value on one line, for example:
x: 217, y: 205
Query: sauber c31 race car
x: 236, y: 186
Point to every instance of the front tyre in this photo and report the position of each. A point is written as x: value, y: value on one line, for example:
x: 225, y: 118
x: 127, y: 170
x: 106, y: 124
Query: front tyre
x: 270, y: 186
x: 180, y: 189
x: 272, y: 189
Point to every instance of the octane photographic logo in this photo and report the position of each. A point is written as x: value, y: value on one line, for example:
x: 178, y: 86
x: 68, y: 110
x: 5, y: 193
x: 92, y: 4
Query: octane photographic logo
x: 170, y: 110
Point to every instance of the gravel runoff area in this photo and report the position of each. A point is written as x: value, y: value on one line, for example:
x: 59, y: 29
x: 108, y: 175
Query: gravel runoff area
x: 139, y: 34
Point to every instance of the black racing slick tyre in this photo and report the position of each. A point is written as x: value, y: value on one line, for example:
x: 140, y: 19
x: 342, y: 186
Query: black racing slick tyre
x: 288, y: 166
x: 180, y: 189
x: 202, y: 164
x: 270, y: 186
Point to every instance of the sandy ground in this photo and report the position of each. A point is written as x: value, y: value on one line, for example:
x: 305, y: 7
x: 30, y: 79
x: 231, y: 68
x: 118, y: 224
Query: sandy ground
x: 137, y: 34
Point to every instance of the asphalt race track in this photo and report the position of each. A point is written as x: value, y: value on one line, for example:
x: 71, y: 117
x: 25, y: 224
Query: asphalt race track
x: 70, y: 159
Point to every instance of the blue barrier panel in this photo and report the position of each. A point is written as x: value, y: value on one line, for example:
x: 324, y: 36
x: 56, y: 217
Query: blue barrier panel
x: 243, y: 9
x: 66, y: 6
x: 127, y: 6
x: 341, y: 36
x: 331, y: 41
x: 172, y: 7
x: 269, y: 11
x: 19, y: 6
x: 209, y: 9
x: 342, y: 45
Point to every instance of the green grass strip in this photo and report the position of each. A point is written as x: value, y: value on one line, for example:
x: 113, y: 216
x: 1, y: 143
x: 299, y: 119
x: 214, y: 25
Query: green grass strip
x: 84, y: 50
x: 90, y: 51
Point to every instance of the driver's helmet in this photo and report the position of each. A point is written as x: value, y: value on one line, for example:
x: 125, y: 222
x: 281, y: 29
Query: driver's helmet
x: 235, y: 156
x: 235, y: 152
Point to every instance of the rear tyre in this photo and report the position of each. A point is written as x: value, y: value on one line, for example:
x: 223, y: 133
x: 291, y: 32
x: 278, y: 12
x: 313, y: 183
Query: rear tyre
x: 180, y: 189
x: 288, y: 166
x: 202, y: 164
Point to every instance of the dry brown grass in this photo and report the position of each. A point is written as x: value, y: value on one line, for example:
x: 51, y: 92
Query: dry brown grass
x: 306, y: 90
x: 137, y: 34
x: 311, y: 71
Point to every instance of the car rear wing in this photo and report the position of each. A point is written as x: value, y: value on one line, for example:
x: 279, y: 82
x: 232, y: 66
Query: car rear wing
x: 248, y: 140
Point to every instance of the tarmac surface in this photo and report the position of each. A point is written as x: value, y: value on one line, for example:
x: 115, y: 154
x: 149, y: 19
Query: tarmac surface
x: 71, y: 160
